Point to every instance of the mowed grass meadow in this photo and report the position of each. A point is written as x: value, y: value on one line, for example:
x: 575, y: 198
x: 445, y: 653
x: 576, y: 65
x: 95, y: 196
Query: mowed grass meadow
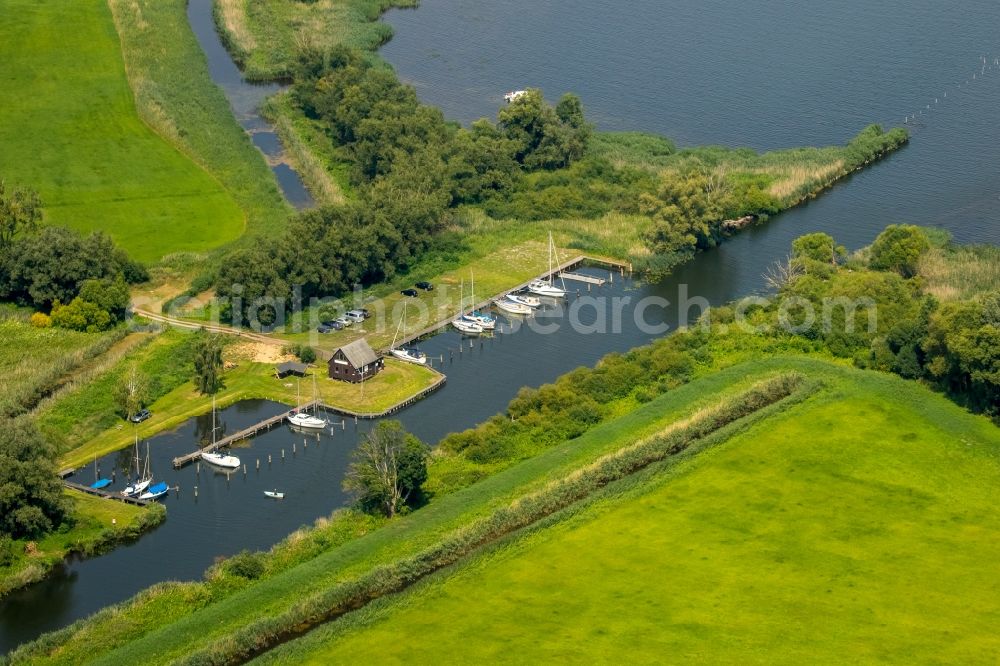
x: 858, y: 526
x: 69, y: 129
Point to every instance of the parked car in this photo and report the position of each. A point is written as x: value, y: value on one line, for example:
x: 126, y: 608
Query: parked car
x: 356, y: 316
x: 332, y: 323
x: 343, y: 321
x: 323, y: 328
x: 141, y: 416
x: 409, y: 292
x: 426, y: 286
x: 365, y: 312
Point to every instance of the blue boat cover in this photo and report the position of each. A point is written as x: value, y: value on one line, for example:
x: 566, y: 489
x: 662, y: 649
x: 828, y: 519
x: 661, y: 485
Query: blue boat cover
x: 101, y: 483
x: 158, y: 488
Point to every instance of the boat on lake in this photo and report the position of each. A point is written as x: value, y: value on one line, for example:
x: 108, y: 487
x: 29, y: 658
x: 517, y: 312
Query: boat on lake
x: 274, y: 494
x: 303, y: 419
x: 408, y: 354
x: 524, y: 299
x: 487, y: 322
x: 467, y: 327
x: 155, y: 491
x: 546, y: 287
x: 512, y: 307
x: 212, y: 456
x: 513, y: 94
x: 143, y: 477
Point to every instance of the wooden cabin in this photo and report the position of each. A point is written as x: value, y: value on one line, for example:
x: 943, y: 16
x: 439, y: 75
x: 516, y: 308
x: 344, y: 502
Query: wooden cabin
x: 355, y: 362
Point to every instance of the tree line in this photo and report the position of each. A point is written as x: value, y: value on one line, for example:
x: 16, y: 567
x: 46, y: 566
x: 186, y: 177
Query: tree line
x: 409, y: 169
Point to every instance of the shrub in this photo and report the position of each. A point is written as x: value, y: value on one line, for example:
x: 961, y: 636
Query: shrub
x: 899, y: 249
x: 246, y: 565
x: 41, y: 320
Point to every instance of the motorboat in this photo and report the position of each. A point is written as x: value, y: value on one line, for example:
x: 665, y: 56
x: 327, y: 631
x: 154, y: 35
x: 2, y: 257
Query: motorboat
x: 155, y: 492
x: 274, y: 494
x: 511, y: 307
x: 525, y: 299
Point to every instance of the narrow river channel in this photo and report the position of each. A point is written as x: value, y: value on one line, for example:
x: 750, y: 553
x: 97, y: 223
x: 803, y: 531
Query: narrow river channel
x: 245, y: 99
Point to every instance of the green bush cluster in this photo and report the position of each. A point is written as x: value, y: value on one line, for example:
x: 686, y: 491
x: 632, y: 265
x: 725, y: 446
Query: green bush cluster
x: 329, y: 604
x: 542, y: 417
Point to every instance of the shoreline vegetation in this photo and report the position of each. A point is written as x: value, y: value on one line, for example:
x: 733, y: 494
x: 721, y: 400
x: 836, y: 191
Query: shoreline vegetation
x: 98, y: 526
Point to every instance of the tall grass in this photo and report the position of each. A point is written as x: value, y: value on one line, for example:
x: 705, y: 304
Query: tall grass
x: 961, y: 272
x: 264, y: 35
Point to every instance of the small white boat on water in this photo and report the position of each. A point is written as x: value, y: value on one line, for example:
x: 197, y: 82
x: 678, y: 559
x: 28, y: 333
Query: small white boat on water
x: 408, y: 354
x: 524, y: 299
x: 300, y: 418
x: 212, y: 456
x: 467, y: 327
x: 511, y: 307
x: 142, y: 475
x: 513, y: 94
x: 274, y: 494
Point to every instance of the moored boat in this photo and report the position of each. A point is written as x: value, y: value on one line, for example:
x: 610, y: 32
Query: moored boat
x: 155, y: 492
x: 545, y: 287
x: 467, y: 327
x: 408, y: 354
x: 274, y: 494
x: 524, y: 299
x: 512, y: 307
x: 212, y: 456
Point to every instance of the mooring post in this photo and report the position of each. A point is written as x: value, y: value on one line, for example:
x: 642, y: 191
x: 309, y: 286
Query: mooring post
x: 197, y: 468
x: 269, y: 459
x: 196, y: 491
x: 258, y: 464
x: 293, y: 448
x: 244, y: 470
x: 282, y: 454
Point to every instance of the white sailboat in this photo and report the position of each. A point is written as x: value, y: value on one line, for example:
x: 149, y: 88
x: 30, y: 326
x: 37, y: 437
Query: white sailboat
x: 143, y: 477
x: 157, y: 490
x: 487, y: 322
x: 214, y: 457
x: 543, y: 287
x: 463, y: 323
x: 303, y: 419
x: 407, y: 354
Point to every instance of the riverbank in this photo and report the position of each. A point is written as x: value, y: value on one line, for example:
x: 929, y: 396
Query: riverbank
x: 98, y: 525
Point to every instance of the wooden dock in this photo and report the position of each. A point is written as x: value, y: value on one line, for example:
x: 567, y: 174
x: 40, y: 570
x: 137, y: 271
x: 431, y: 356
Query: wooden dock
x: 555, y: 272
x: 268, y: 424
x: 105, y: 494
x: 246, y: 433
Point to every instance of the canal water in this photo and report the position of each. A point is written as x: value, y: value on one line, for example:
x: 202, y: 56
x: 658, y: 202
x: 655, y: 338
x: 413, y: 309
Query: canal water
x: 245, y: 99
x: 767, y: 75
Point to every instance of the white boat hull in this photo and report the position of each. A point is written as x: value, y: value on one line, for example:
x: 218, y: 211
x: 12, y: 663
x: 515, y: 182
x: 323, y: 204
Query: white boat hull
x: 219, y: 460
x: 303, y: 420
x: 523, y: 299
x: 545, y: 289
x: 510, y: 307
x: 409, y: 356
x: 467, y: 327
x: 136, y: 488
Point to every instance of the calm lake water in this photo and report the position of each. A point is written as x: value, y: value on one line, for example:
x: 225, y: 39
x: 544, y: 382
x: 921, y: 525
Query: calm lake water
x: 767, y: 75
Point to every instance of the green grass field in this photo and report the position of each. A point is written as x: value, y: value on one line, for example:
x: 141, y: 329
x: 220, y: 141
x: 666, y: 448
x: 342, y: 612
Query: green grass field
x: 70, y: 130
x: 860, y: 525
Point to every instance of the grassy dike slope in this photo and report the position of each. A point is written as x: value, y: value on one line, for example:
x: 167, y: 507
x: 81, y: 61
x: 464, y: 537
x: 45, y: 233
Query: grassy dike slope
x: 860, y: 525
x: 175, y: 95
x: 69, y: 129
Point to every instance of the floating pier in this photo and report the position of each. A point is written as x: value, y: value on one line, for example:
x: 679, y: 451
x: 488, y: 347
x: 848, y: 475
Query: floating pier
x: 579, y: 277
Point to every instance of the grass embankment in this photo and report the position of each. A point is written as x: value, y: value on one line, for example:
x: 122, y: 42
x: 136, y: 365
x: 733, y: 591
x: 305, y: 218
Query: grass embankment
x: 175, y: 96
x: 98, y: 524
x: 859, y: 525
x: 264, y: 36
x: 248, y: 380
x: 397, y: 540
x: 71, y: 132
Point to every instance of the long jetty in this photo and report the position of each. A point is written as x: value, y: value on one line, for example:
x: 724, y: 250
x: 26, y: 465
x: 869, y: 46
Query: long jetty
x: 105, y: 494
x: 555, y: 272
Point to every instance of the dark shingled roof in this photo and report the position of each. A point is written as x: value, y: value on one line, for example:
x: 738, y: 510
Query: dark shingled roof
x: 359, y: 353
x: 289, y: 367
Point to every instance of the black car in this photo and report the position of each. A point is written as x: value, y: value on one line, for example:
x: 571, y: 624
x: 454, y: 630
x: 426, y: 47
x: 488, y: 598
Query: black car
x: 323, y: 328
x: 365, y: 312
x: 426, y: 286
x: 141, y: 416
x: 333, y: 324
x: 409, y: 292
